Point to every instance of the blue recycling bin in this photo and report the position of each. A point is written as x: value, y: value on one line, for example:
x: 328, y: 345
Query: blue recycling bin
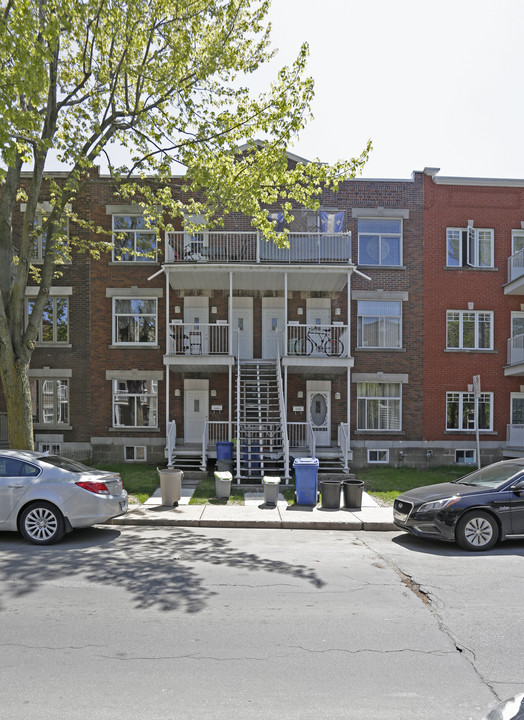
x: 306, y: 471
x: 224, y: 450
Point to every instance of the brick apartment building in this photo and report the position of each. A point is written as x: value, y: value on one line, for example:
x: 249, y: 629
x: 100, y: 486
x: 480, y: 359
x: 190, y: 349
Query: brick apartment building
x: 353, y: 345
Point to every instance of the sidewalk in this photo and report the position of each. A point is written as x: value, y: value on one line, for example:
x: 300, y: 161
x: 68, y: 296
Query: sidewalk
x: 254, y: 513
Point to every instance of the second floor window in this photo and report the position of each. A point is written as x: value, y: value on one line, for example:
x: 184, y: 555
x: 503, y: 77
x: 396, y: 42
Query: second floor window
x: 380, y: 242
x: 460, y: 411
x: 134, y: 239
x: 379, y: 324
x: 135, y: 321
x: 40, y: 240
x: 54, y: 327
x: 469, y: 247
x: 469, y: 330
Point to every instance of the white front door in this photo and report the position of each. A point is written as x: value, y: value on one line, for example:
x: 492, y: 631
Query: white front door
x: 196, y: 326
x: 318, y: 314
x: 196, y: 411
x: 273, y: 317
x: 242, y: 321
x: 318, y: 398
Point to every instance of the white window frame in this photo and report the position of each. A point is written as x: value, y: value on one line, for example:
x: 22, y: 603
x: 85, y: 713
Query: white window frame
x: 120, y: 394
x: 46, y: 415
x: 38, y: 242
x: 468, y: 398
x: 469, y: 457
x: 383, y: 239
x: 136, y: 316
x: 517, y: 235
x: 469, y: 241
x: 136, y: 256
x: 477, y: 315
x: 378, y: 457
x: 382, y: 325
x: 52, y: 299
x: 132, y: 450
x: 52, y: 448
x: 389, y: 408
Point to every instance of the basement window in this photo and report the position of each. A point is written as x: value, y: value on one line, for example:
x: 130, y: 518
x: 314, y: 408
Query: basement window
x: 135, y: 453
x: 378, y: 456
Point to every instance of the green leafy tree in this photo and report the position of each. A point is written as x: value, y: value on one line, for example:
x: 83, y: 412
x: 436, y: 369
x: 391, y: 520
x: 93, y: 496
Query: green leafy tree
x: 168, y: 81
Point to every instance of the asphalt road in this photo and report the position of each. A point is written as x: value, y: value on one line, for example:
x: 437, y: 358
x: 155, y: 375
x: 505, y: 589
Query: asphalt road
x: 215, y: 623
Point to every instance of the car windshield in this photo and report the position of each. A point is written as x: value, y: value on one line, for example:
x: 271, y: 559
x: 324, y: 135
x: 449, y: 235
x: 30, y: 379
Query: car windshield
x: 65, y: 463
x: 491, y: 476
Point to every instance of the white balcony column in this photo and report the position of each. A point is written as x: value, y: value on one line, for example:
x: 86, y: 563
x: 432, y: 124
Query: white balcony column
x: 348, y: 321
x: 229, y: 414
x: 168, y: 351
x: 230, y: 313
x: 284, y: 338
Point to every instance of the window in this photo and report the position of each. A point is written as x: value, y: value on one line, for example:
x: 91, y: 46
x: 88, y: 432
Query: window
x: 50, y: 400
x: 460, y: 411
x: 380, y: 242
x: 135, y: 453
x: 379, y: 324
x: 378, y: 456
x: 517, y: 241
x: 134, y: 239
x: 310, y: 221
x: 469, y: 247
x: 51, y: 448
x: 135, y: 321
x: 469, y: 329
x: 54, y: 327
x: 465, y: 457
x: 41, y: 237
x: 378, y: 406
x: 135, y: 403
x: 11, y: 467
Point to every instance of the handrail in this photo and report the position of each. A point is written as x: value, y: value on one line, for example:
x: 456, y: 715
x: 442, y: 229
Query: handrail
x: 205, y: 437
x: 343, y: 441
x: 310, y: 438
x: 516, y: 265
x: 171, y: 441
x: 282, y: 407
x: 238, y: 419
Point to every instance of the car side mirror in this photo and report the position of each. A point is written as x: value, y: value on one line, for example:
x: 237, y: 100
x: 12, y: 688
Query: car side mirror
x: 518, y: 487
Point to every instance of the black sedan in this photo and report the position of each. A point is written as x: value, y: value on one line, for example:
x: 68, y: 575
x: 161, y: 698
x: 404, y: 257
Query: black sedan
x: 475, y: 511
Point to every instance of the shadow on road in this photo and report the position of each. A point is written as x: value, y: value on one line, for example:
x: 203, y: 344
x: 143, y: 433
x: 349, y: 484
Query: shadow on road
x: 166, y: 573
x: 434, y: 547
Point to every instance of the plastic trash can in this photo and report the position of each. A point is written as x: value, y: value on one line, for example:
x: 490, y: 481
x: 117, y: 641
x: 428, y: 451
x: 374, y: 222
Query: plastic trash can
x: 306, y: 471
x: 170, y: 485
x: 330, y: 491
x: 224, y: 450
x: 352, y: 492
x: 271, y: 487
x: 223, y: 484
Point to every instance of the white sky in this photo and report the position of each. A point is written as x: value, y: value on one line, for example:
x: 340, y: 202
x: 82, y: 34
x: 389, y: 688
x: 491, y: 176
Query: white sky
x: 432, y: 83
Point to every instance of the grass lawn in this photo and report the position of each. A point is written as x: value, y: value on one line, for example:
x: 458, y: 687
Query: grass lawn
x: 140, y: 480
x: 387, y: 482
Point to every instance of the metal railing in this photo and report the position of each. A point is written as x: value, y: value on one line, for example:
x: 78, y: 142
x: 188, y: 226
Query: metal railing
x: 201, y: 339
x: 317, y: 340
x: 515, y: 436
x: 282, y: 409
x: 250, y: 247
x: 516, y: 350
x: 171, y: 441
x: 310, y: 438
x: 516, y: 265
x: 343, y: 441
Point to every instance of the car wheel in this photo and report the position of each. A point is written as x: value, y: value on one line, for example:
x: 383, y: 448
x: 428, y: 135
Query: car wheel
x: 477, y: 531
x: 42, y: 523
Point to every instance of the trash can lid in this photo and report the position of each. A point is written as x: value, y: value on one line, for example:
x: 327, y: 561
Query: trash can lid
x: 224, y: 475
x: 271, y: 479
x: 305, y: 461
x: 224, y: 442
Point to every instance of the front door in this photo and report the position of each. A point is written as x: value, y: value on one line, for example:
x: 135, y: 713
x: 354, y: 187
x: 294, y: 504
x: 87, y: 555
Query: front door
x: 196, y: 326
x: 196, y: 411
x: 318, y: 315
x: 318, y: 398
x: 273, y: 316
x: 243, y: 328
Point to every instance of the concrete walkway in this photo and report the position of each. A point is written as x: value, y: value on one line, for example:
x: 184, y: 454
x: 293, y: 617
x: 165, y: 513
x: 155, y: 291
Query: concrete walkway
x: 254, y: 513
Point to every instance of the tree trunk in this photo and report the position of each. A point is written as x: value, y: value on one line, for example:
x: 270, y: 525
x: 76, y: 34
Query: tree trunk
x: 17, y: 391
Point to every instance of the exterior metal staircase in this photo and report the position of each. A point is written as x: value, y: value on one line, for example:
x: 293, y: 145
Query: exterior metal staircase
x: 260, y: 422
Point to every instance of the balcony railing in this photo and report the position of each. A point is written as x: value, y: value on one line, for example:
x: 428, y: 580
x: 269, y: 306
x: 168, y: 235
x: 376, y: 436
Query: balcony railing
x: 327, y: 341
x: 515, y: 436
x: 516, y: 265
x: 250, y: 247
x: 516, y: 350
x: 198, y: 339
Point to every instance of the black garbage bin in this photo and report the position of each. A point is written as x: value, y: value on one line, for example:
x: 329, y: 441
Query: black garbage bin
x: 352, y: 492
x: 330, y: 490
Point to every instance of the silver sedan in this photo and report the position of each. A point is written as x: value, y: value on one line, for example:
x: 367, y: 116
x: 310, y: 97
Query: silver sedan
x: 44, y: 496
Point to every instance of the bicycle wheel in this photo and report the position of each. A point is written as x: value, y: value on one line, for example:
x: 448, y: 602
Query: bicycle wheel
x: 333, y: 347
x: 303, y: 346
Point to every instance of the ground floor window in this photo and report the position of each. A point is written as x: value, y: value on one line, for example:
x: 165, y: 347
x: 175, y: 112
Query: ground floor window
x: 379, y: 406
x: 135, y: 453
x: 460, y: 411
x: 378, y: 456
x: 135, y: 403
x: 50, y: 401
x: 465, y: 457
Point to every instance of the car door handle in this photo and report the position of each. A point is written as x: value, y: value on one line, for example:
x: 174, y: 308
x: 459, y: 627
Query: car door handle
x: 17, y: 487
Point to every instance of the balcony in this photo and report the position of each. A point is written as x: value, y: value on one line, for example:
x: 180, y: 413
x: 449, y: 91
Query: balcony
x: 515, y: 284
x: 515, y: 359
x: 250, y: 247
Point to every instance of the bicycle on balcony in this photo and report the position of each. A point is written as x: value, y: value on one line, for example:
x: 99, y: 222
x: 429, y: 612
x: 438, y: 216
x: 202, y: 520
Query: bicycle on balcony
x: 321, y: 341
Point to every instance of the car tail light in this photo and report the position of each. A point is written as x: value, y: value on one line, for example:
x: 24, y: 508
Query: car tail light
x: 99, y: 488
